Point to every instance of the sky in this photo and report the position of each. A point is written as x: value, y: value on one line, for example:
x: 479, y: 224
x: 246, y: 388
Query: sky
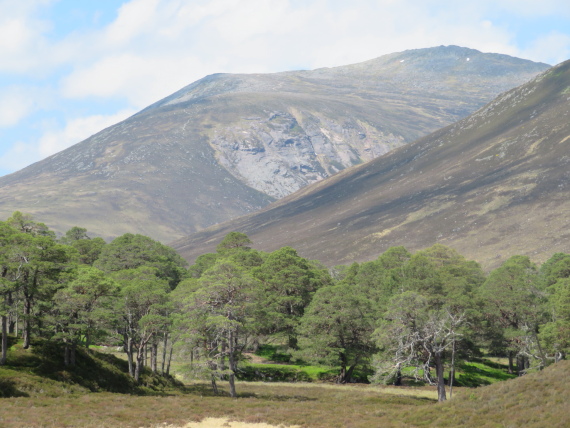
x: 70, y: 68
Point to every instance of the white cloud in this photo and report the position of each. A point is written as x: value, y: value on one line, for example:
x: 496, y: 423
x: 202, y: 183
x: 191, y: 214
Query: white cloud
x: 535, y: 8
x: 134, y: 18
x: 22, y: 35
x: 77, y: 130
x: 140, y: 79
x: 22, y: 154
x: 18, y: 156
x: 552, y: 48
x: 15, y: 104
x: 154, y: 47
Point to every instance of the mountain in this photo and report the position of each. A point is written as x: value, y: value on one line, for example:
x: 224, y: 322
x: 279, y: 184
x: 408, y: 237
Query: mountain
x: 492, y: 185
x: 230, y: 144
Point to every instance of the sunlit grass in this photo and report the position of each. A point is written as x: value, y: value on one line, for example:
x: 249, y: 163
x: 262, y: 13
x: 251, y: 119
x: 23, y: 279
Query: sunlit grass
x: 535, y: 400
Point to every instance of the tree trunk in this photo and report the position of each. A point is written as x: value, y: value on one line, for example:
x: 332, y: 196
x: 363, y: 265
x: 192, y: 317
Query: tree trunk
x: 398, y: 378
x: 72, y: 349
x: 140, y: 356
x: 349, y: 372
x: 292, y: 342
x: 520, y: 365
x: 511, y: 365
x: 66, y: 353
x: 169, y: 360
x: 4, y: 340
x: 129, y: 349
x: 427, y: 373
x: 164, y: 345
x: 342, y: 375
x: 222, y: 359
x: 452, y: 369
x: 232, y: 362
x: 16, y: 322
x: 214, y: 385
x: 212, y: 367
x: 154, y: 357
x: 440, y: 380
x: 27, y: 323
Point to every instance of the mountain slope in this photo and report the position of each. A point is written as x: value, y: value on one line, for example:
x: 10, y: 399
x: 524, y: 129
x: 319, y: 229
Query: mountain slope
x: 492, y: 185
x: 535, y: 400
x: 228, y: 145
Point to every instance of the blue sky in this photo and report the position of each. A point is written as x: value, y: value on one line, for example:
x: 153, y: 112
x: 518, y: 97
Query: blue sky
x: 70, y: 68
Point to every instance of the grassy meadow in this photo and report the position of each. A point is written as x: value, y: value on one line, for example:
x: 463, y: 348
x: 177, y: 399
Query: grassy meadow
x: 38, y: 391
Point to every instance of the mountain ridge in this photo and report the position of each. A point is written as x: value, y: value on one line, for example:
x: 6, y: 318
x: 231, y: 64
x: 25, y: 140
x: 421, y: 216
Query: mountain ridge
x: 228, y: 145
x: 491, y: 185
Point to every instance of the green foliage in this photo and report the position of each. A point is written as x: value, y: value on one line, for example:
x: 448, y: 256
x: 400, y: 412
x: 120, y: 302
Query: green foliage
x: 410, y: 313
x: 273, y: 373
x: 25, y: 223
x: 288, y: 282
x: 337, y: 329
x: 82, y: 306
x: 40, y: 371
x: 76, y: 233
x: 89, y: 249
x: 514, y: 301
x: 132, y: 251
x: 233, y: 241
x: 202, y: 264
x: 272, y: 353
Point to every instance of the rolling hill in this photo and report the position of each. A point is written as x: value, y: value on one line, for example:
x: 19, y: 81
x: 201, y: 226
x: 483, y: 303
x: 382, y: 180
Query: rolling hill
x: 228, y: 145
x: 491, y: 185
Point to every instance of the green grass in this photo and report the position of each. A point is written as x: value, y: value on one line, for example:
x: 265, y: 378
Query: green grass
x: 535, y: 400
x: 484, y: 372
x: 273, y: 353
x: 39, y: 371
x: 45, y: 394
x: 282, y: 372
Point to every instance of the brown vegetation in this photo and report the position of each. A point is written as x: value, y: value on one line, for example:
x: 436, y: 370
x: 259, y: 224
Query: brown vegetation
x: 176, y: 167
x: 491, y: 186
x: 535, y: 400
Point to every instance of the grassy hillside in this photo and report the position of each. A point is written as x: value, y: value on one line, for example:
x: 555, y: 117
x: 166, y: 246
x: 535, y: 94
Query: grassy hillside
x: 535, y: 400
x: 228, y: 145
x: 491, y: 186
x: 39, y: 372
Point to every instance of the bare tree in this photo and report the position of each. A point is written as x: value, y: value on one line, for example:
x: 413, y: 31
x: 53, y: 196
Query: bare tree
x: 417, y: 335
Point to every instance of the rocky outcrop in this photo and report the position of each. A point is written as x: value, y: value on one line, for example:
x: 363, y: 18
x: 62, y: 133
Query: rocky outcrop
x: 283, y: 152
x: 228, y: 145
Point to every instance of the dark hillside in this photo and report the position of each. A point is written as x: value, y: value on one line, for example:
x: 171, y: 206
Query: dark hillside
x: 229, y: 144
x: 492, y: 185
x: 535, y: 400
x: 40, y: 372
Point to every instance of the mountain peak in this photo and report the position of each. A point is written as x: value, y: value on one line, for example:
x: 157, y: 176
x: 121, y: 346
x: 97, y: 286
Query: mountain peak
x: 229, y: 144
x: 491, y: 185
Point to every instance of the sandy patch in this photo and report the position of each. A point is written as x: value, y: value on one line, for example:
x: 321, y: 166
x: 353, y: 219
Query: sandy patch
x: 226, y: 423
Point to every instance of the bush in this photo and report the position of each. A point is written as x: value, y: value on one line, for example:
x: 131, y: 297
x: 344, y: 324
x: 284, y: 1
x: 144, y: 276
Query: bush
x: 272, y: 373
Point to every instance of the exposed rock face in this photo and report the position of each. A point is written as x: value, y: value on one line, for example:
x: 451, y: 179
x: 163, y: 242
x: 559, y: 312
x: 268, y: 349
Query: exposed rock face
x: 282, y: 153
x: 228, y: 145
x: 296, y: 128
x: 492, y: 185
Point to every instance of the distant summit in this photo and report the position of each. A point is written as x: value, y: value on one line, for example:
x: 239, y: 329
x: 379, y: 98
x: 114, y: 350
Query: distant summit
x: 492, y: 185
x: 228, y: 145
